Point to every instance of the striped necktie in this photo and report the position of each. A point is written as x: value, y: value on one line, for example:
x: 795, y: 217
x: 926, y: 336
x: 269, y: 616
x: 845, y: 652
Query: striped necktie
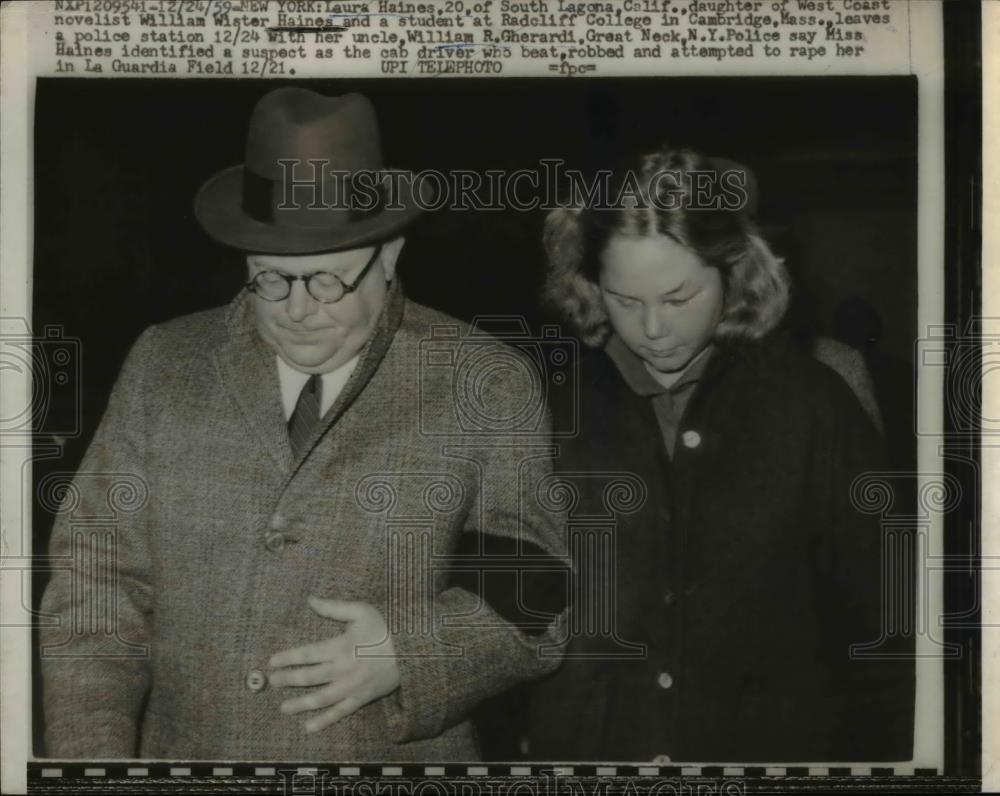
x: 304, y: 420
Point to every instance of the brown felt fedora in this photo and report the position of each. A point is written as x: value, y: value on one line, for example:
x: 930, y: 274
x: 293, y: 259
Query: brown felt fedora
x: 312, y: 180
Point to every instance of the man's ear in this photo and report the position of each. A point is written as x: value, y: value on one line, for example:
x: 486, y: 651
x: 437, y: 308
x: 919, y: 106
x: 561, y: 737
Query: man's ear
x: 389, y: 255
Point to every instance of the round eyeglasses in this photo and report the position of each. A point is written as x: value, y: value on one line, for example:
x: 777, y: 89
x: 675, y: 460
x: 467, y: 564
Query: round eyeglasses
x: 323, y: 286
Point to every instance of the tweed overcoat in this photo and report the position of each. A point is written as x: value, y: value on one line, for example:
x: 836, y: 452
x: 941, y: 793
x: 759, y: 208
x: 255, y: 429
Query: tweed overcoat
x: 739, y: 581
x: 219, y: 535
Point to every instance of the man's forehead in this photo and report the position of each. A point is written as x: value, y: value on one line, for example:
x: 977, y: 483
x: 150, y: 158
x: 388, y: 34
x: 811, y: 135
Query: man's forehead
x: 309, y: 263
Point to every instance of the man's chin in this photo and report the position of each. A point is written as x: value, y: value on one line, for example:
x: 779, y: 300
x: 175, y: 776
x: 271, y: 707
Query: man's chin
x: 307, y: 357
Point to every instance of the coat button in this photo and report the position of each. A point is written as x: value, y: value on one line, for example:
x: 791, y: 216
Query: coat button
x: 668, y: 597
x: 691, y: 438
x: 274, y: 541
x: 664, y: 680
x: 256, y: 680
x: 278, y: 521
x: 662, y: 760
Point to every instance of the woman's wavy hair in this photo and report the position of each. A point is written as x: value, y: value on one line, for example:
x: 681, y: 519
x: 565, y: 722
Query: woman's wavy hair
x: 699, y: 214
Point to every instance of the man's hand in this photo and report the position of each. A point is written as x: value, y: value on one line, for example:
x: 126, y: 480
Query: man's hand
x: 350, y: 677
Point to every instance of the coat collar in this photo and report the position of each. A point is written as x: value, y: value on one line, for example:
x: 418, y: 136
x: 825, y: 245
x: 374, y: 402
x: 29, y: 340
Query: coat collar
x: 641, y: 382
x: 246, y: 367
x: 751, y: 357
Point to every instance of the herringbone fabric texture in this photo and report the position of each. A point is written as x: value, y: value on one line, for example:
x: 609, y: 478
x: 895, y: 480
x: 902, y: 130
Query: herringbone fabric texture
x: 203, y: 596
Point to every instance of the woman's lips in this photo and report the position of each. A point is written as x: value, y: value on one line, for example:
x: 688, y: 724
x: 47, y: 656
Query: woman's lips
x: 666, y: 352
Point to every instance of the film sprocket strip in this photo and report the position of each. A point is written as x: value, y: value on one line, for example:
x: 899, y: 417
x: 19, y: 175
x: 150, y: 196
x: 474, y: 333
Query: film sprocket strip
x: 494, y: 778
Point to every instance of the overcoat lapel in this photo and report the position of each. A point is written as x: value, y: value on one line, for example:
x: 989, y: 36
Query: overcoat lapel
x: 247, y: 370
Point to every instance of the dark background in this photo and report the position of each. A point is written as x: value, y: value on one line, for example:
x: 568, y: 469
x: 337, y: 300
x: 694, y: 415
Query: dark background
x: 117, y: 164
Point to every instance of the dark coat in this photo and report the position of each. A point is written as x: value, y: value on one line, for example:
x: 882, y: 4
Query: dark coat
x: 746, y: 572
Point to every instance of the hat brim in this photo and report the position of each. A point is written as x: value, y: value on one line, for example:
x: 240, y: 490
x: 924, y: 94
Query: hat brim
x: 218, y: 206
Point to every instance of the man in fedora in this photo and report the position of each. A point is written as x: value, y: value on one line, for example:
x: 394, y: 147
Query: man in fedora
x: 279, y: 587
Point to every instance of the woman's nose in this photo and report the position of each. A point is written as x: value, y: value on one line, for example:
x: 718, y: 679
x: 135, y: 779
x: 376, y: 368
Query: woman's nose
x: 299, y: 303
x: 652, y: 324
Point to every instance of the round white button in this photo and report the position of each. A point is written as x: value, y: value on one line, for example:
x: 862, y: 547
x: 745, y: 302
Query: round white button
x: 661, y: 760
x: 691, y: 439
x: 256, y: 680
x: 664, y: 680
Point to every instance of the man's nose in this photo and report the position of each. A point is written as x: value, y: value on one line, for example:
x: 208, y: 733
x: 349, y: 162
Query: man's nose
x: 653, y: 324
x: 299, y: 303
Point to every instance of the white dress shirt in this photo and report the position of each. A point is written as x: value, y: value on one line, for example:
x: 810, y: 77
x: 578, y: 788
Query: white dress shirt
x: 292, y: 381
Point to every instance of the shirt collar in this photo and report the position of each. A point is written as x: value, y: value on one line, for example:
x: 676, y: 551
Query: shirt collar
x: 292, y: 381
x: 640, y: 381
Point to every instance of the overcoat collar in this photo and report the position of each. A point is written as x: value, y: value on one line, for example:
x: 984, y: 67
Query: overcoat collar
x: 640, y: 381
x: 751, y: 356
x: 247, y: 370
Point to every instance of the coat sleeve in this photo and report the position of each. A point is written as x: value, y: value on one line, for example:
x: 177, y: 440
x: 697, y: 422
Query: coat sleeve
x: 505, y: 625
x: 869, y: 590
x: 97, y: 606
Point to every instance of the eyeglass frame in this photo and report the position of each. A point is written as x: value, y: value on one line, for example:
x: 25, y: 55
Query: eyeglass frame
x: 348, y: 287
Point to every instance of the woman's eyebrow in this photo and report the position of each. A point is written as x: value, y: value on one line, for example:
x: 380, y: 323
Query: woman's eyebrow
x: 675, y: 290
x: 670, y: 292
x: 620, y: 295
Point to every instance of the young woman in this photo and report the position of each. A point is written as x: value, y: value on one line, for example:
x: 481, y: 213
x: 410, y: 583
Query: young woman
x: 742, y: 572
